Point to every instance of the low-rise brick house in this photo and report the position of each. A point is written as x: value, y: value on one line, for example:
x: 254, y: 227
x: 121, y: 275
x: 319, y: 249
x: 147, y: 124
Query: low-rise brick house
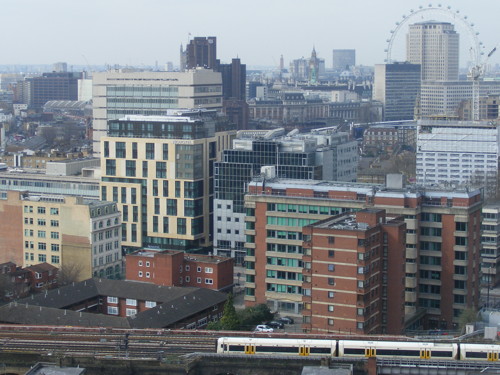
x: 176, y: 268
x: 117, y: 303
x: 42, y: 276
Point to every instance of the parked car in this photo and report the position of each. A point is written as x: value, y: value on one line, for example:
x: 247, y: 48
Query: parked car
x: 286, y: 320
x: 275, y: 324
x: 263, y: 328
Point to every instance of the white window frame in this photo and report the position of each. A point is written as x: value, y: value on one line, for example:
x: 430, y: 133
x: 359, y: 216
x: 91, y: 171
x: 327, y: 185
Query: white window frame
x: 130, y: 312
x: 209, y: 270
x: 112, y: 310
x: 131, y: 302
x: 150, y: 304
x: 112, y: 299
x: 209, y: 281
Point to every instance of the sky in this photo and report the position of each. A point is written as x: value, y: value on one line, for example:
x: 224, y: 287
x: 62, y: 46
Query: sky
x: 149, y: 32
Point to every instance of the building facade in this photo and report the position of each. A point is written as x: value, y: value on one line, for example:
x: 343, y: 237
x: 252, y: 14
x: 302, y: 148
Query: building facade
x: 322, y: 154
x: 159, y: 170
x: 117, y: 94
x: 200, y: 52
x: 490, y: 246
x: 36, y: 91
x: 442, y: 243
x: 434, y: 46
x: 397, y: 86
x: 177, y: 268
x: 360, y: 252
x: 65, y: 231
x: 343, y: 59
x: 458, y: 154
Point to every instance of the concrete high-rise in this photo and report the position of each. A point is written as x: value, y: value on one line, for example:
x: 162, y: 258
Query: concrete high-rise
x: 435, y: 46
x: 119, y: 93
x: 458, y: 153
x: 397, y: 86
x: 343, y: 59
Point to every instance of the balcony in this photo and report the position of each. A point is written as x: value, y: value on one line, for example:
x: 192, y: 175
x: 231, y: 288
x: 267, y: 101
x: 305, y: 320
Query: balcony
x: 410, y: 282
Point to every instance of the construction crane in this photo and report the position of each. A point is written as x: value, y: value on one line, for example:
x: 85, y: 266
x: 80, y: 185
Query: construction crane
x: 475, y: 74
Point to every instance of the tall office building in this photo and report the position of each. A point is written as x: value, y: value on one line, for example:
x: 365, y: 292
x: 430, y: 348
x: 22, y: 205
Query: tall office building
x: 159, y: 170
x: 441, y: 251
x: 343, y: 59
x: 317, y: 155
x: 458, y: 154
x: 200, y: 52
x: 435, y: 46
x: 37, y: 91
x: 397, y: 86
x: 117, y: 94
x: 234, y: 92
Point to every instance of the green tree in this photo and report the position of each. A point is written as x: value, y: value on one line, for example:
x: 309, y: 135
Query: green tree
x: 229, y: 320
x: 467, y: 316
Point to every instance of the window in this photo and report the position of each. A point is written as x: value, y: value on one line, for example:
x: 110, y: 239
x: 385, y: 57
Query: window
x: 130, y: 312
x: 38, y: 275
x: 148, y: 264
x: 54, y: 247
x: 120, y: 149
x: 209, y: 270
x: 130, y: 168
x: 330, y: 322
x: 188, y: 279
x: 112, y: 310
x: 150, y: 304
x: 54, y: 223
x: 198, y: 269
x: 331, y: 294
x: 41, y: 210
x: 209, y: 281
x: 331, y: 240
x: 187, y: 268
x: 140, y: 273
x: 198, y: 280
x: 42, y: 246
x: 54, y: 235
x: 112, y: 299
x: 331, y: 253
x: 41, y: 222
x: 148, y: 275
x: 54, y: 211
x: 54, y: 259
x: 331, y: 308
x: 41, y: 234
x: 42, y: 258
x: 161, y: 169
x: 331, y: 281
x: 331, y: 267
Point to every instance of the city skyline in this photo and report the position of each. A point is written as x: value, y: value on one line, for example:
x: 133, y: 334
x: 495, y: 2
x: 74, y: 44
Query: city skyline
x: 149, y: 33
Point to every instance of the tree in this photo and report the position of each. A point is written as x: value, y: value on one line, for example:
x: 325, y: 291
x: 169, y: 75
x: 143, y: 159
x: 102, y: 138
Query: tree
x: 229, y: 320
x: 251, y: 316
x: 466, y: 316
x: 68, y: 273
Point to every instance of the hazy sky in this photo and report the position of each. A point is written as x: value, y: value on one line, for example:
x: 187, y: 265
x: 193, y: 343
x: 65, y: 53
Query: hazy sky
x: 139, y: 32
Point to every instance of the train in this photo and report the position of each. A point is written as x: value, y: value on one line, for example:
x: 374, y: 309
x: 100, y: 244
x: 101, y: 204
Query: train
x: 358, y: 348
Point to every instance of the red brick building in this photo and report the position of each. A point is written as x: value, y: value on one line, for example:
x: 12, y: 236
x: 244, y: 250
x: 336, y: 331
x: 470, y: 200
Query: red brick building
x: 346, y: 260
x: 441, y: 258
x: 42, y: 276
x: 177, y: 268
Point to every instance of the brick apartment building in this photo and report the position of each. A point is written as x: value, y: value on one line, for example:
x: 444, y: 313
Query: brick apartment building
x: 347, y: 258
x: 441, y: 258
x: 177, y: 268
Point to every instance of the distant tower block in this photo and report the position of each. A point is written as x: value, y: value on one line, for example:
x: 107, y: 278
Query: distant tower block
x: 343, y: 59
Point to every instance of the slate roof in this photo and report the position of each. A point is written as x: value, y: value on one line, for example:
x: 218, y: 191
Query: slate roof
x: 174, y: 304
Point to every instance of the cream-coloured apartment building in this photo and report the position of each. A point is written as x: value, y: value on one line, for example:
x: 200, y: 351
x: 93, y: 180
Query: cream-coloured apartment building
x: 159, y: 170
x: 83, y: 236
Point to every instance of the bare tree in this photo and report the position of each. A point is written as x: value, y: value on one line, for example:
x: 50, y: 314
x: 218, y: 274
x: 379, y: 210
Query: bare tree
x: 68, y: 273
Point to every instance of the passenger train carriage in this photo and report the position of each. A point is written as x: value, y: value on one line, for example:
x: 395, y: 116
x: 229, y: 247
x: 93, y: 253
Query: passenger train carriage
x: 357, y: 348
